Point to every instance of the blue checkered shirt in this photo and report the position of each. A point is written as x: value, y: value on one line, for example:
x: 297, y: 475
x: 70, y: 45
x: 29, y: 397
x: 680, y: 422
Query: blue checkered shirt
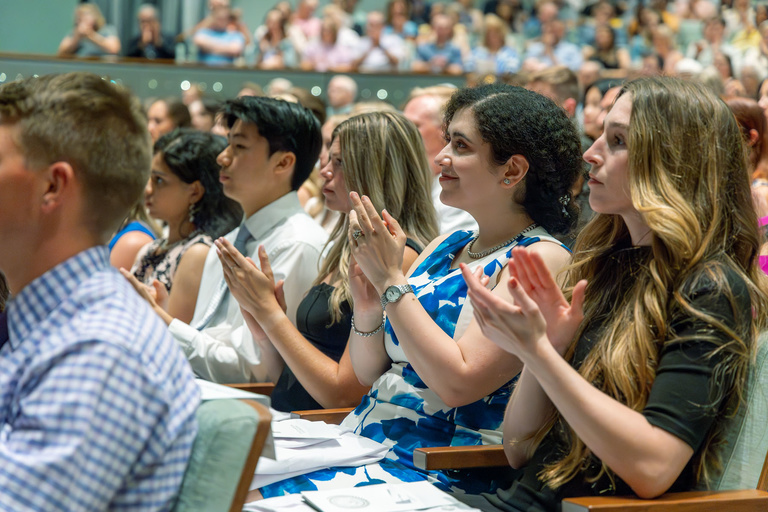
x: 97, y: 402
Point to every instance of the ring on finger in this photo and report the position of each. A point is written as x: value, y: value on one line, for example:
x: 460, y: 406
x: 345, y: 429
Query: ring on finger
x: 357, y: 234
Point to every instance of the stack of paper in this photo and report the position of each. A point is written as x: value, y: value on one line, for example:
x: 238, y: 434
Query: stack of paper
x: 303, y: 446
x: 405, y: 497
x: 212, y: 391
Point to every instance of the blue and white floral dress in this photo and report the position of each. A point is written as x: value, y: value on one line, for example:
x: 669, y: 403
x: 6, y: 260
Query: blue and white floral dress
x: 401, y: 412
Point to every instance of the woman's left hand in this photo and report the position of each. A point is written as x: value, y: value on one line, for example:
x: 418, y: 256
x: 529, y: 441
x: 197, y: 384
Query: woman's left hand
x: 253, y: 288
x: 517, y: 328
x: 377, y: 243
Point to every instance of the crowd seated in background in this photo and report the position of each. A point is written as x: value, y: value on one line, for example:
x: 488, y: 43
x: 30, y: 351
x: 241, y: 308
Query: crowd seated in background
x: 453, y: 37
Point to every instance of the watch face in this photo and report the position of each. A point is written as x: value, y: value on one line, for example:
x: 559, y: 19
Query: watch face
x: 392, y: 294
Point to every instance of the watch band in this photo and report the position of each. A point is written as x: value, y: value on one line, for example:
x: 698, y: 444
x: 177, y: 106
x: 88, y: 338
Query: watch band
x: 396, y: 291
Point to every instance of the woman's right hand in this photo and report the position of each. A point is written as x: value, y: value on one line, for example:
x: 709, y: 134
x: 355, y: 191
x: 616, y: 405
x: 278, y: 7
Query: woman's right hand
x: 563, y: 319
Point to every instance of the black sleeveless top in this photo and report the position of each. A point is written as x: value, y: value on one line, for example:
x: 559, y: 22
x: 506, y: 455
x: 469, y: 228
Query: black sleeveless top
x: 313, y: 320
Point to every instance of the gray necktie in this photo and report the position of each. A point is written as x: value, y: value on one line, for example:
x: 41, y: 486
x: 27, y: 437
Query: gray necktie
x: 221, y: 294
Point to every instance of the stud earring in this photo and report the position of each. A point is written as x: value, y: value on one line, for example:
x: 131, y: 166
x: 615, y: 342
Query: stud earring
x: 506, y: 181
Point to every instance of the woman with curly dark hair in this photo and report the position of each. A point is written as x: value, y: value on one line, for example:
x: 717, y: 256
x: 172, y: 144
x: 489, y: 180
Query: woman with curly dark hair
x: 510, y: 160
x: 184, y: 191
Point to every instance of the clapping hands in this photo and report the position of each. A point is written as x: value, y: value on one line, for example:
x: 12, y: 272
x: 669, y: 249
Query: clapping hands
x: 540, y: 312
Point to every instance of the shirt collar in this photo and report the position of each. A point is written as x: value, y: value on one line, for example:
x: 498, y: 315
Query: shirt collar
x: 264, y: 220
x: 40, y: 297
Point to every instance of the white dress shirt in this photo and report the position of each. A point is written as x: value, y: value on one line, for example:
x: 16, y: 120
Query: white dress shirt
x: 224, y: 350
x: 450, y: 219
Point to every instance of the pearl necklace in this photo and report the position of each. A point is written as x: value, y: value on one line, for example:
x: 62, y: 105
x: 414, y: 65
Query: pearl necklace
x: 483, y: 254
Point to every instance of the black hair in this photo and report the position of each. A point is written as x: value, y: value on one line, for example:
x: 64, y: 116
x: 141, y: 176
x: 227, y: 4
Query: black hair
x: 516, y: 121
x: 286, y: 126
x: 5, y: 293
x: 177, y: 111
x: 191, y: 155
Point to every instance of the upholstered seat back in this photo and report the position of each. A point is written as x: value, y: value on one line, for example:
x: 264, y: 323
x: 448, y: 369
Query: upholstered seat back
x: 222, y: 449
x: 747, y: 435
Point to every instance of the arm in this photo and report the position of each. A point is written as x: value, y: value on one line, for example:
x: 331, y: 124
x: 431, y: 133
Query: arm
x: 460, y: 371
x: 109, y: 43
x: 69, y: 44
x: 226, y: 48
x: 332, y: 384
x: 186, y: 283
x: 126, y: 249
x: 625, y: 62
x: 529, y: 407
x: 645, y: 456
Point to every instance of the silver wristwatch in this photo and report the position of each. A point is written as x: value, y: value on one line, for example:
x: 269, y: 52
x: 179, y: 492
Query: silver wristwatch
x: 394, y: 293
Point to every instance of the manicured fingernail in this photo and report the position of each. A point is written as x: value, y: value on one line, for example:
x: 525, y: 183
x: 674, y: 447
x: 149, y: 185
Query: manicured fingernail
x: 513, y: 283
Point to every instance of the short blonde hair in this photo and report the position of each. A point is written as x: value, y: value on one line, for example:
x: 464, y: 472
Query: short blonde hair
x: 94, y: 11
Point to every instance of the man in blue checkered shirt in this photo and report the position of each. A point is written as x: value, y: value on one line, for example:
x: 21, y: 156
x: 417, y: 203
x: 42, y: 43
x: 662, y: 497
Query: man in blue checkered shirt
x: 97, y: 402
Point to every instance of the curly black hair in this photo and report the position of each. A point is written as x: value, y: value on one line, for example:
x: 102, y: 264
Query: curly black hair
x: 516, y: 121
x: 191, y: 155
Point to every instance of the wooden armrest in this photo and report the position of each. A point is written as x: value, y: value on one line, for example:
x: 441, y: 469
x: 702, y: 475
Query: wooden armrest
x: 334, y: 416
x: 694, y: 501
x: 262, y: 388
x: 459, y: 457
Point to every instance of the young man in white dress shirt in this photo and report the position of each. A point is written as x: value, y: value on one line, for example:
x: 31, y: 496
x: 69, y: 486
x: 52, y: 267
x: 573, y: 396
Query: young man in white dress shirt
x: 273, y: 146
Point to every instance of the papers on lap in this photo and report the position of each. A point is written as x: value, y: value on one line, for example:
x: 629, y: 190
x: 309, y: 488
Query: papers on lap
x: 405, y: 497
x: 303, y: 446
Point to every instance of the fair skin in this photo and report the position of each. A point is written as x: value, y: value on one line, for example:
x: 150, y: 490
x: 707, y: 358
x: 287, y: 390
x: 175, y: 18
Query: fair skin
x: 373, y: 29
x: 442, y: 26
x: 541, y: 325
x: 201, y: 119
x: 125, y: 250
x: 332, y: 384
x: 250, y: 176
x: 85, y: 28
x: 219, y: 22
x: 466, y: 369
x: 159, y: 121
x: 424, y: 112
x: 42, y: 212
x: 149, y: 26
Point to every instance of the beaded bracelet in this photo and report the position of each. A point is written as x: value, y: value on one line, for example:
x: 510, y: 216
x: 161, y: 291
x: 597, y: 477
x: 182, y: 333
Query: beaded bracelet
x: 369, y: 334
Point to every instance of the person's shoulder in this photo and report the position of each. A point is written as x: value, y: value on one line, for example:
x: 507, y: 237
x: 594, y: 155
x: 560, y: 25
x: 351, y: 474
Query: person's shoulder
x: 111, y: 313
x: 304, y: 229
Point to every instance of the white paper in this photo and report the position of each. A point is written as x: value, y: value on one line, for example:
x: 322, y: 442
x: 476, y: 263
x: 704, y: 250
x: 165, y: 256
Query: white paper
x: 292, y: 458
x: 423, y: 495
x: 212, y: 391
x: 305, y: 429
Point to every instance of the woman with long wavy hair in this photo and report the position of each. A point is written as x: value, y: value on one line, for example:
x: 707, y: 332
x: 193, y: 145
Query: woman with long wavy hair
x: 627, y: 388
x: 379, y: 154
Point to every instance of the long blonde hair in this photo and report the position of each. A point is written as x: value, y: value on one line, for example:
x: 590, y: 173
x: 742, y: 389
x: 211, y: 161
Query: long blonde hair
x: 689, y: 182
x: 383, y: 157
